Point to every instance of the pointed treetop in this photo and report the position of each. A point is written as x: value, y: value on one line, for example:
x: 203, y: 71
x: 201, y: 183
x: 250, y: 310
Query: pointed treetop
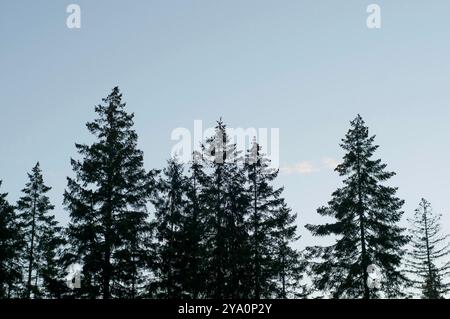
x: 37, y: 167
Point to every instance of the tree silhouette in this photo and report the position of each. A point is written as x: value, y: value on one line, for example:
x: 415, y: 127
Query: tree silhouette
x: 11, y: 246
x: 169, y: 204
x: 366, y: 214
x: 43, y: 237
x: 271, y: 230
x: 227, y: 202
x: 289, y: 263
x: 193, y: 232
x: 107, y: 204
x: 428, y: 249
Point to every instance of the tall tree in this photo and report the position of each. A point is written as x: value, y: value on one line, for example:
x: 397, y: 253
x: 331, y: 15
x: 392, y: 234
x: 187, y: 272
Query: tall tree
x: 276, y: 267
x: 169, y: 202
x: 366, y: 230
x: 289, y: 263
x: 227, y: 202
x: 11, y: 246
x: 429, y: 248
x: 42, y: 235
x: 107, y: 205
x: 193, y: 232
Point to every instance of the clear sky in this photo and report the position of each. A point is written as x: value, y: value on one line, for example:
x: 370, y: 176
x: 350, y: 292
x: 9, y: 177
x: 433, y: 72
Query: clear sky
x: 305, y: 67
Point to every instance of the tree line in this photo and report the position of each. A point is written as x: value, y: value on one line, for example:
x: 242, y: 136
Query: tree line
x: 216, y: 227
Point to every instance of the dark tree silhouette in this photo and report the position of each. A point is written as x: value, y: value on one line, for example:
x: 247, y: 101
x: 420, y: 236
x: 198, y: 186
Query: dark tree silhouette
x: 227, y: 202
x: 366, y: 214
x: 193, y: 232
x: 169, y: 202
x: 43, y: 237
x: 426, y: 262
x: 107, y: 203
x: 289, y: 263
x: 271, y: 231
x: 11, y: 246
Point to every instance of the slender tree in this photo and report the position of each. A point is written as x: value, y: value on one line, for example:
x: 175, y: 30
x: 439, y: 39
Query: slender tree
x: 429, y: 248
x: 193, y: 232
x: 170, y: 202
x: 227, y: 202
x: 289, y: 263
x: 366, y: 230
x: 11, y: 246
x: 266, y: 204
x: 107, y: 204
x: 42, y: 234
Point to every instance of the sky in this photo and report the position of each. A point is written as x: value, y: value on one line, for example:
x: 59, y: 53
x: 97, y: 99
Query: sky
x: 304, y: 67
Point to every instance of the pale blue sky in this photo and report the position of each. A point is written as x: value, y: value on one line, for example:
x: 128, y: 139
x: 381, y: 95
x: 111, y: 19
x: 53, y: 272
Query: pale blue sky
x: 306, y: 67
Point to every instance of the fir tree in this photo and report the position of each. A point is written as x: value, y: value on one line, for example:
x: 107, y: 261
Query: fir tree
x: 366, y: 230
x: 107, y: 204
x: 169, y: 205
x: 193, y: 232
x: 227, y: 202
x: 43, y: 238
x: 265, y: 204
x: 429, y: 248
x: 289, y: 263
x: 11, y: 246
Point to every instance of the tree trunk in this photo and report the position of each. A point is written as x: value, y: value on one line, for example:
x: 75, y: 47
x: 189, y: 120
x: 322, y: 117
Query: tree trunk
x: 31, y: 253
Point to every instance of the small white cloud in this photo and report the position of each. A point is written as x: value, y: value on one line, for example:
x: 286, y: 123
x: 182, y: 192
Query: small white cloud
x: 301, y: 168
x: 330, y: 162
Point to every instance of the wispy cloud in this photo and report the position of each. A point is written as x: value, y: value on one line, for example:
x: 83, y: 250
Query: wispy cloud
x: 330, y: 162
x: 301, y: 168
x: 307, y: 167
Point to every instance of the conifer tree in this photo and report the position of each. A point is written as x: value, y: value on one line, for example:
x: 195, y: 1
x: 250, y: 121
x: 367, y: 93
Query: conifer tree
x: 42, y: 235
x: 193, y: 232
x: 107, y: 203
x: 227, y: 202
x: 289, y: 263
x: 276, y: 266
x: 366, y: 214
x: 52, y: 271
x: 265, y: 201
x: 429, y: 248
x: 169, y: 202
x: 11, y: 246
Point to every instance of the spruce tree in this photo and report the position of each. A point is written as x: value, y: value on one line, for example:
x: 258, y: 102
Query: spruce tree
x: 169, y: 203
x: 265, y: 201
x: 289, y: 263
x: 429, y: 248
x: 43, y: 238
x: 366, y: 214
x: 11, y: 246
x: 193, y: 232
x: 107, y: 203
x: 227, y: 202
x: 52, y: 269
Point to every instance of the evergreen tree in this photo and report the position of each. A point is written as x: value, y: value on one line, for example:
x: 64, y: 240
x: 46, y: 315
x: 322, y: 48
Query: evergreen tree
x: 11, y: 246
x: 193, y: 232
x: 52, y: 272
x: 428, y: 249
x: 43, y: 238
x: 169, y: 203
x: 107, y: 204
x: 265, y: 201
x: 227, y: 202
x: 289, y: 263
x: 366, y: 230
